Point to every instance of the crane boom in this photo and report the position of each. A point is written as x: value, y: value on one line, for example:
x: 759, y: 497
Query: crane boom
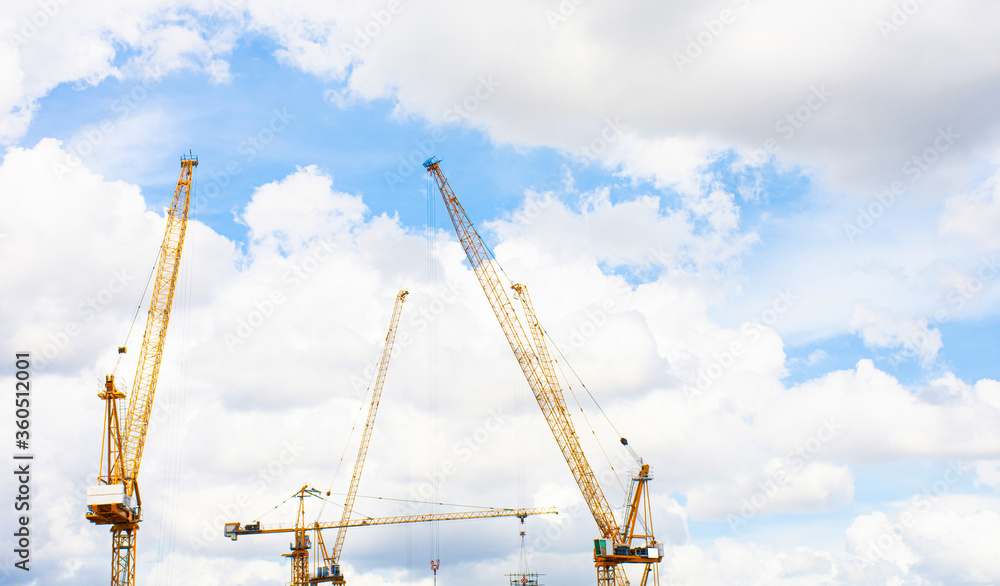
x: 116, y: 501
x: 536, y: 363
x: 547, y: 391
x: 140, y: 402
x: 383, y: 366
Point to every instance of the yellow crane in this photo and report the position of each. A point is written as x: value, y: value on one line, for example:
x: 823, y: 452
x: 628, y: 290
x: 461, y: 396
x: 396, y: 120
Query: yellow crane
x: 301, y: 543
x: 116, y: 500
x: 536, y: 364
x: 332, y: 560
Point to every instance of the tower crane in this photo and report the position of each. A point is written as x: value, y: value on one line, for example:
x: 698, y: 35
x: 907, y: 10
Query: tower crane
x: 301, y: 542
x: 115, y: 500
x: 536, y: 364
x: 328, y: 563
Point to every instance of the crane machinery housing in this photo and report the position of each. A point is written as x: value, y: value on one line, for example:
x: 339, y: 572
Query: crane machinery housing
x: 615, y: 547
x: 115, y: 500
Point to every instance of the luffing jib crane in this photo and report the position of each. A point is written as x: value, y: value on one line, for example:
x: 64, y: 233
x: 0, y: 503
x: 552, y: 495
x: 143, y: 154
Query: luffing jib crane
x: 116, y: 500
x: 328, y: 563
x: 536, y: 364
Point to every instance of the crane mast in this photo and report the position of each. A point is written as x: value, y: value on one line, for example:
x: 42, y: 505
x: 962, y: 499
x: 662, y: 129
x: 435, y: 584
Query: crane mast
x: 333, y: 560
x: 116, y: 500
x: 533, y: 357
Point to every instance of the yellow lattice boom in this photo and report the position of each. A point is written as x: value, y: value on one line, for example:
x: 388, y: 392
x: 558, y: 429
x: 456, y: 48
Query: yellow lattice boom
x: 536, y: 363
x: 359, y: 462
x: 116, y: 501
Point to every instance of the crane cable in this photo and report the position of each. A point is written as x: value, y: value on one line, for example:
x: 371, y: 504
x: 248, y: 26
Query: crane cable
x: 587, y: 421
x: 174, y: 445
x: 510, y: 282
x: 387, y: 498
x: 582, y: 384
x: 347, y: 444
x: 135, y: 316
x: 432, y: 356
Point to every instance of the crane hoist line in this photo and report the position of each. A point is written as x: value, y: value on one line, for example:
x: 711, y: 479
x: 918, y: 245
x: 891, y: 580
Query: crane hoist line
x: 615, y: 547
x: 116, y: 500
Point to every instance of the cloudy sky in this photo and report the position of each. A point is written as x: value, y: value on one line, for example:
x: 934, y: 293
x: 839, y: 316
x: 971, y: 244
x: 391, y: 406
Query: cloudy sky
x: 762, y: 232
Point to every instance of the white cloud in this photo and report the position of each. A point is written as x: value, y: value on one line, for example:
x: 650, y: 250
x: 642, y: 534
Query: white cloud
x: 816, y: 357
x: 559, y: 86
x: 781, y: 486
x: 726, y: 561
x: 643, y: 118
x: 975, y: 216
x: 879, y: 327
x: 945, y: 537
x: 61, y: 42
x: 242, y: 363
x: 268, y: 342
x: 312, y: 211
x: 988, y: 473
